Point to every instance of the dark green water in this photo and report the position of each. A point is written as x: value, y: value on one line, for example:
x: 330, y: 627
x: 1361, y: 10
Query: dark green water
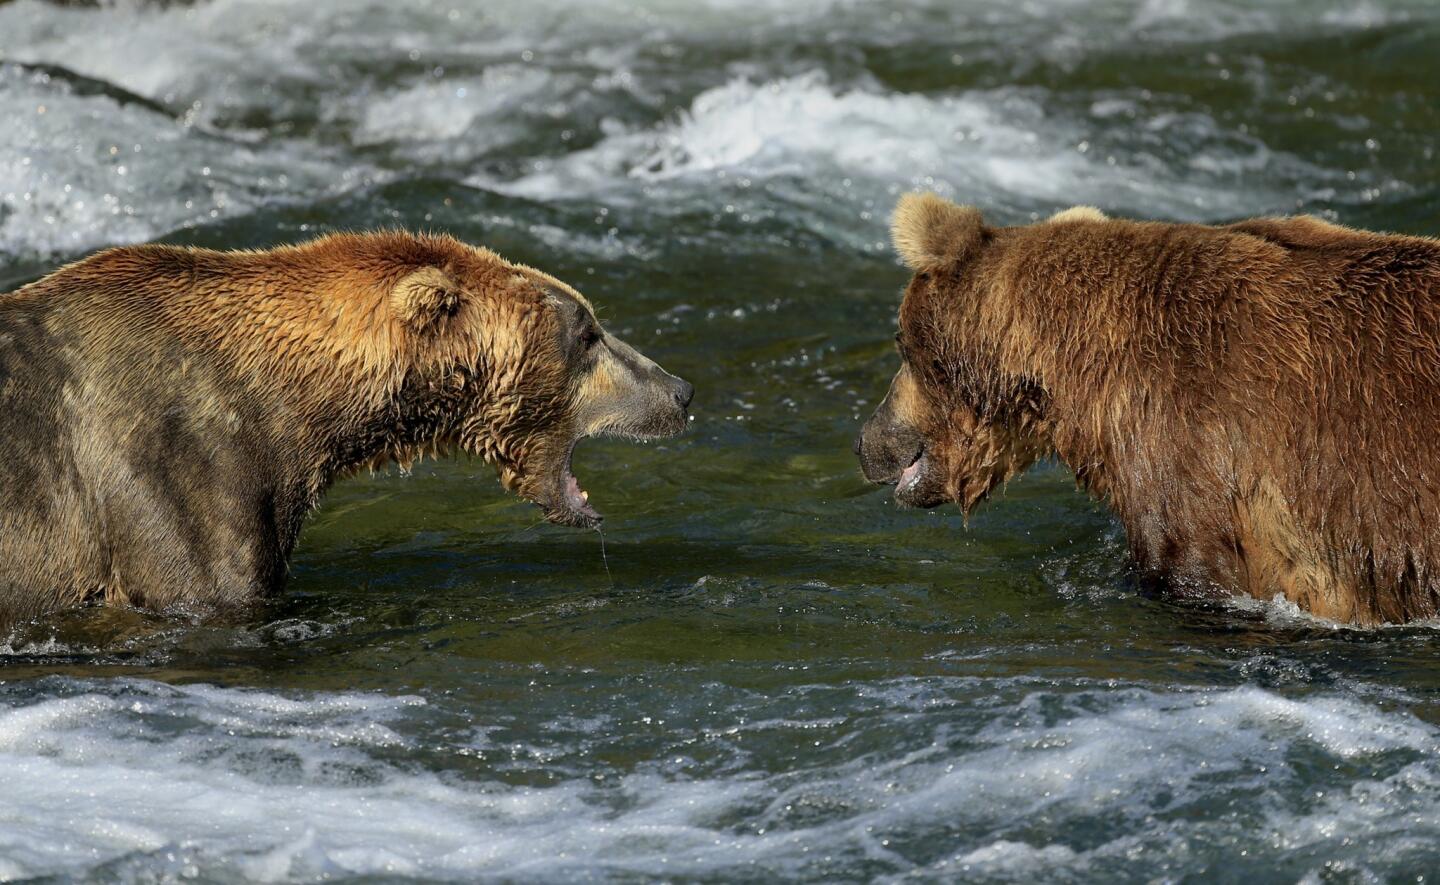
x: 761, y: 670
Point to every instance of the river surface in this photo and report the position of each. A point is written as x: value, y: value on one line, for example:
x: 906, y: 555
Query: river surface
x: 761, y: 669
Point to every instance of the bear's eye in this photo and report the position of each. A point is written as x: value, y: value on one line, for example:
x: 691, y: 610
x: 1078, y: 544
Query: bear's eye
x: 589, y: 336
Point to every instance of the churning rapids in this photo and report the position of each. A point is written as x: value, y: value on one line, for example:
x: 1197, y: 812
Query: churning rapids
x: 766, y: 671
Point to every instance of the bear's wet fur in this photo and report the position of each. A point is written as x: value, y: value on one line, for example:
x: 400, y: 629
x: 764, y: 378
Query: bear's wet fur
x: 169, y: 416
x: 1257, y: 402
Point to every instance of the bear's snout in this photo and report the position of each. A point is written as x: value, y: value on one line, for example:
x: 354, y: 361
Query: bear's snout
x: 666, y: 407
x: 886, y: 447
x: 684, y: 392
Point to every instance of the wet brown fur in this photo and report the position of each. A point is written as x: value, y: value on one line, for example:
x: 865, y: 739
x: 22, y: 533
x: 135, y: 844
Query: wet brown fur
x: 173, y: 414
x: 1257, y: 401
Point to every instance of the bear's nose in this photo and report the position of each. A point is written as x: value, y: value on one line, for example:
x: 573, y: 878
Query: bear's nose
x: 684, y: 394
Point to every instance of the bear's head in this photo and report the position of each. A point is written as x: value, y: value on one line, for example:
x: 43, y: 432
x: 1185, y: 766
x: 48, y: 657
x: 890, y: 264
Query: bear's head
x: 963, y: 414
x: 511, y: 364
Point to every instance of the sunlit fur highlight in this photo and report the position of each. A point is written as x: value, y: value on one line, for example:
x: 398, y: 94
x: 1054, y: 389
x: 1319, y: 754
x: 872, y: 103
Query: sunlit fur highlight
x: 1079, y: 213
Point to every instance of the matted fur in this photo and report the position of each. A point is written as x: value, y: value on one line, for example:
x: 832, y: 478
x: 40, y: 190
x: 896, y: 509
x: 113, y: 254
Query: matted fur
x: 1257, y: 401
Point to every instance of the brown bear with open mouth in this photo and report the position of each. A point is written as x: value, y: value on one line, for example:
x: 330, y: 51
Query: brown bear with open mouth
x: 1257, y: 402
x: 168, y: 416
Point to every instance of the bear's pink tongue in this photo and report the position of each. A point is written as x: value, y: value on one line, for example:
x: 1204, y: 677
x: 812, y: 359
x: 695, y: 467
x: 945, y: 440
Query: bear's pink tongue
x: 578, y: 498
x: 909, y: 474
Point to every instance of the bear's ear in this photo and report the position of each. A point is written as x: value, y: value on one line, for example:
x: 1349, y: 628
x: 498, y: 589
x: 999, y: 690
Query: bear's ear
x: 425, y: 297
x: 1079, y: 213
x: 929, y: 231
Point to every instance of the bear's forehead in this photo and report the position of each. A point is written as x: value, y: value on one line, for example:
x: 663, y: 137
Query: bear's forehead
x: 920, y: 300
x: 555, y: 287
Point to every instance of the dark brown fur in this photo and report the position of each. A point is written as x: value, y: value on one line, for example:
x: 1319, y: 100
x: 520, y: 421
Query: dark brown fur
x: 1258, y: 402
x: 168, y: 417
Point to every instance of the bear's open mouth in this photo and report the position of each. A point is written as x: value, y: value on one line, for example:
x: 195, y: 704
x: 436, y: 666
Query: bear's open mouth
x: 569, y: 504
x: 911, y: 475
x: 563, y: 499
x: 916, y: 485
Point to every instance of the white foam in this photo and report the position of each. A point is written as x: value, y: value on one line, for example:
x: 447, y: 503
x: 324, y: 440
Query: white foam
x: 1007, y: 858
x: 991, y: 147
x: 1213, y: 20
x: 270, y: 787
x: 80, y: 171
x: 440, y: 111
x: 1208, y: 21
x: 15, y: 646
x: 229, y: 54
x: 827, y: 156
x: 1281, y: 612
x: 216, y: 53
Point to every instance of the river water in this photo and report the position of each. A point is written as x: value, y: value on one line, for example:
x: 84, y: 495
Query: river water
x: 761, y: 669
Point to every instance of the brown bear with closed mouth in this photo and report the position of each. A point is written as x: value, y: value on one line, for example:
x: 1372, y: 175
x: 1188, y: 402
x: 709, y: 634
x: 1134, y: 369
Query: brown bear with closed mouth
x: 1257, y: 402
x: 168, y: 416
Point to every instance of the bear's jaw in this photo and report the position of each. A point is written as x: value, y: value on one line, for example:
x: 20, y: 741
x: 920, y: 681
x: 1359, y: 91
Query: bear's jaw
x: 577, y: 499
x: 566, y: 503
x: 918, y: 485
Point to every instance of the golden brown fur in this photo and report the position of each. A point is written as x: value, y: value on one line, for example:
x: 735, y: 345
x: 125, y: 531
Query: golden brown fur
x: 1256, y: 401
x: 171, y: 415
